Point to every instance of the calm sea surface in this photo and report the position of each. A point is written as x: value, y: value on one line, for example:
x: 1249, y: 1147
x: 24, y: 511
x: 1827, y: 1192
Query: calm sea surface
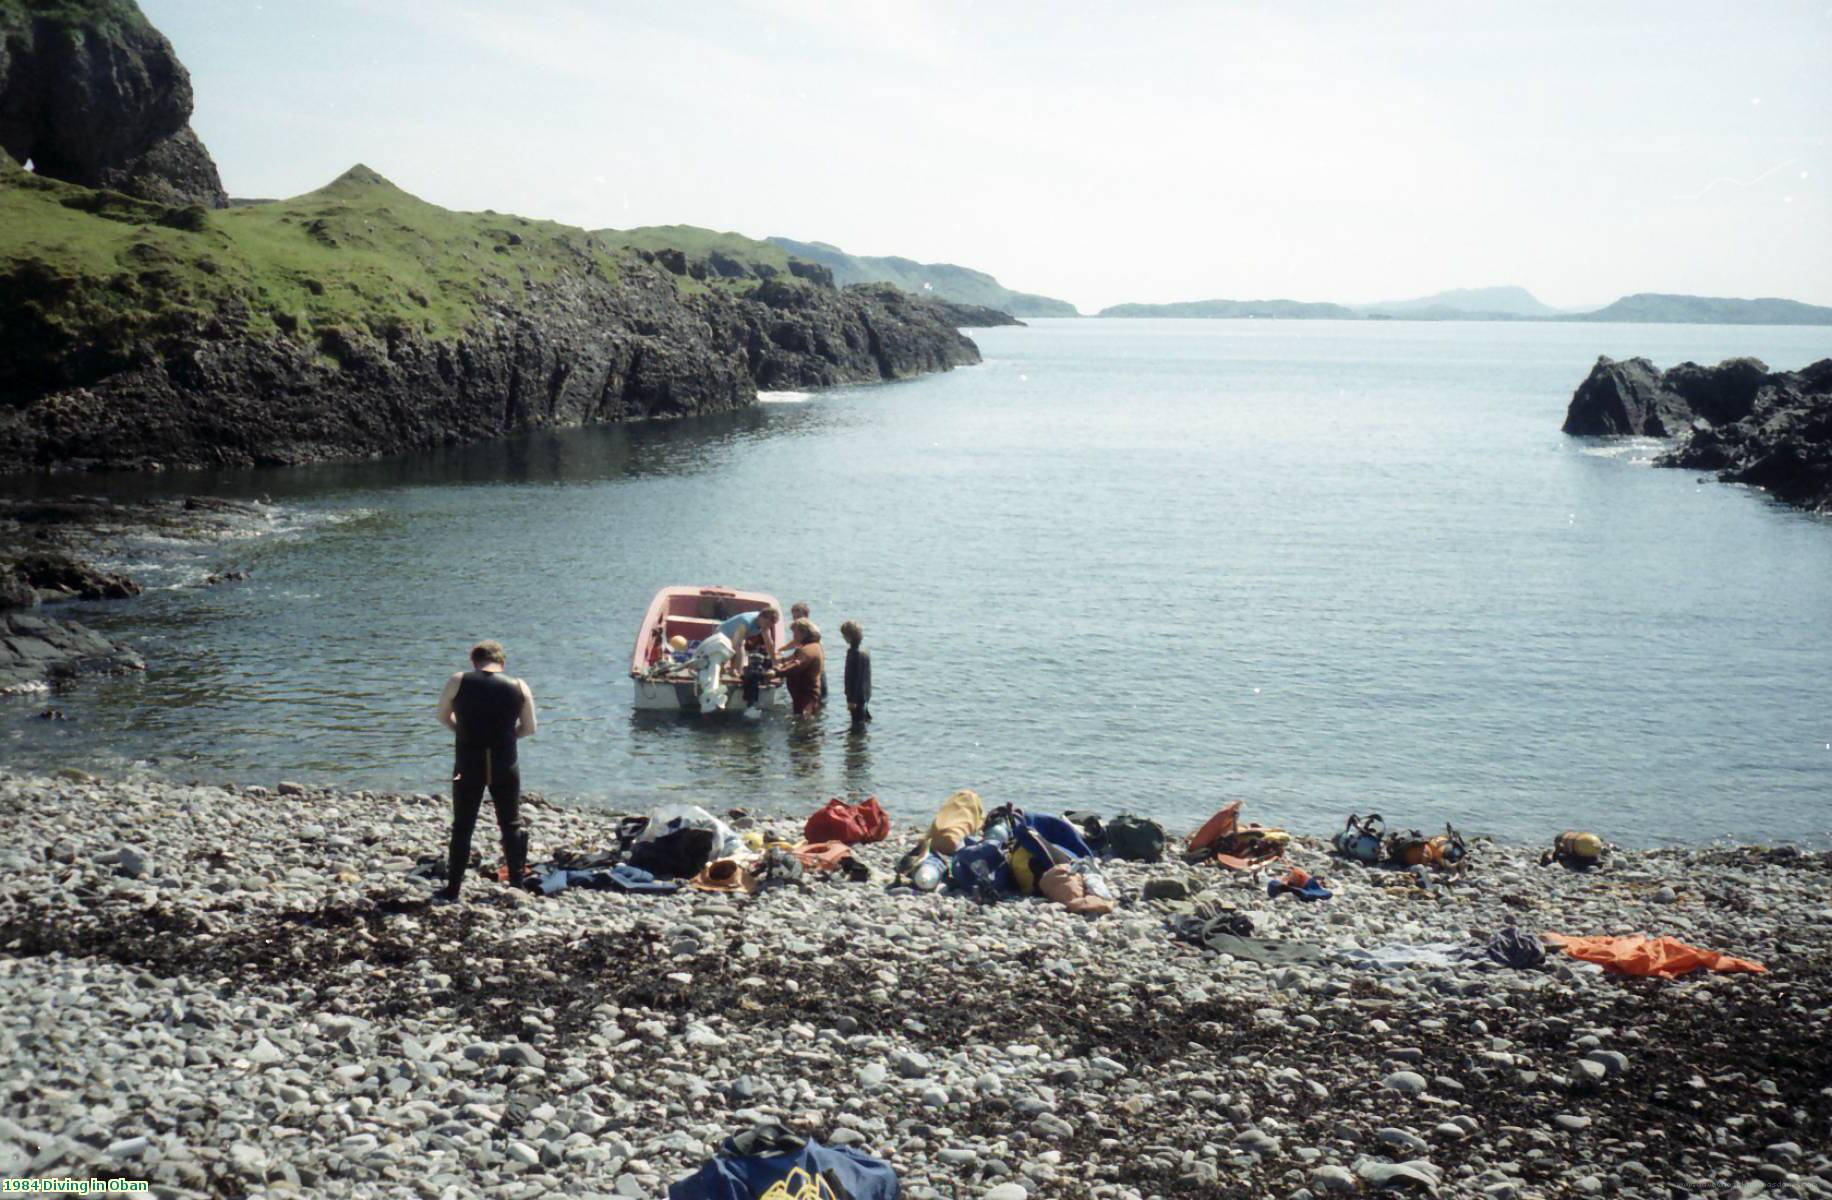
x: 1324, y: 567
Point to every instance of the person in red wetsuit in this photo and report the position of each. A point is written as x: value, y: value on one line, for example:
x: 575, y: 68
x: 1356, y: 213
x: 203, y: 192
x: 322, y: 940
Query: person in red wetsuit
x: 804, y: 670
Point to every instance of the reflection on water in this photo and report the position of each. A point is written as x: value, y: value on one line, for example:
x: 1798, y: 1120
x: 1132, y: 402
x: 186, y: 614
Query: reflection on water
x: 571, y: 456
x: 1152, y: 565
x: 858, y: 759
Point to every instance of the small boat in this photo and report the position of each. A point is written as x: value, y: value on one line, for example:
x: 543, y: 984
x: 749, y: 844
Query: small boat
x: 664, y: 681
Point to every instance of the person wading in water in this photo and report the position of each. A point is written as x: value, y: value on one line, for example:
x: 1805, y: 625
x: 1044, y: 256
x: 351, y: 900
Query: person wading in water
x: 488, y: 711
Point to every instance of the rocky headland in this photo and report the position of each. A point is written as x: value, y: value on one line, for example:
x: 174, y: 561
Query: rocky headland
x: 242, y: 991
x: 1767, y: 429
x: 143, y: 324
x: 358, y: 321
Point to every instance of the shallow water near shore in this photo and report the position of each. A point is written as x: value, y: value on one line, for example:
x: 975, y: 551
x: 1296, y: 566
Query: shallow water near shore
x: 1324, y: 567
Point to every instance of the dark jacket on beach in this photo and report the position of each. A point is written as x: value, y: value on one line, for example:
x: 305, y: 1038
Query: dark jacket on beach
x: 858, y: 677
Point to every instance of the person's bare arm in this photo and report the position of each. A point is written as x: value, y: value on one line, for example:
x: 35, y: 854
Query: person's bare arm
x: 447, y: 717
x: 525, y: 726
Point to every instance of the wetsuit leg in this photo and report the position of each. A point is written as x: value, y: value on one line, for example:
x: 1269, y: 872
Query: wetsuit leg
x: 506, y: 794
x: 467, y: 798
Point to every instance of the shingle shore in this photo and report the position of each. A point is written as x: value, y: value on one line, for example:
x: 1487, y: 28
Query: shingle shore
x: 236, y: 992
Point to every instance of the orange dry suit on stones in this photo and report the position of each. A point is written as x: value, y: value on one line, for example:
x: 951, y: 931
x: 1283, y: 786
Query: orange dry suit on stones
x: 1662, y: 956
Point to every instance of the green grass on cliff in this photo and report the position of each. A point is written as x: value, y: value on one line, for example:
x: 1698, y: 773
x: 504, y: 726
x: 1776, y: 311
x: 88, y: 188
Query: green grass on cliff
x: 726, y: 260
x: 99, y: 15
x: 359, y: 255
x: 695, y: 242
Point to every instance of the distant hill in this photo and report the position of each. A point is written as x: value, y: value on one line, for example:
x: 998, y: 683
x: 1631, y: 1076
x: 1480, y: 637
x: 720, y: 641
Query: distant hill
x: 1501, y: 304
x: 1463, y: 303
x: 1657, y: 308
x: 1236, y: 309
x: 942, y: 280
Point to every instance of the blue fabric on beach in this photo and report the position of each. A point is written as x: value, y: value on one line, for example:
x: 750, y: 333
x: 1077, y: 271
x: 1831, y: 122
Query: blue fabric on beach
x: 961, y: 873
x: 799, y: 1174
x: 1040, y: 831
x: 1310, y: 889
x: 618, y: 879
x: 634, y: 879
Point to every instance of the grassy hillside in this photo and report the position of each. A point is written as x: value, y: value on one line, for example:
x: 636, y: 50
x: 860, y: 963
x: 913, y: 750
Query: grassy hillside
x: 358, y: 254
x: 699, y: 244
x: 944, y: 280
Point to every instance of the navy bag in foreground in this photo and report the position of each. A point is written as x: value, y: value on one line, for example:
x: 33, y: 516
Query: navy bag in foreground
x: 770, y: 1163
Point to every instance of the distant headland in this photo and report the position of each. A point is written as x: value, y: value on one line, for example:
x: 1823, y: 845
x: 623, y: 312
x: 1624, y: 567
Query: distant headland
x: 1501, y: 304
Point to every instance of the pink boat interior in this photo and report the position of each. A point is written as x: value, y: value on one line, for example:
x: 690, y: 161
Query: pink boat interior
x: 692, y: 613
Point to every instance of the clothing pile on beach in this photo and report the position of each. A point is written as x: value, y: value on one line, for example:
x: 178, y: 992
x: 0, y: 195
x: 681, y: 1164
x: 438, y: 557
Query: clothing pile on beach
x: 1010, y: 852
x: 684, y: 846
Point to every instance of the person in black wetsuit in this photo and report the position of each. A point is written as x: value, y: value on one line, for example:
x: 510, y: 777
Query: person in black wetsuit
x: 489, y: 712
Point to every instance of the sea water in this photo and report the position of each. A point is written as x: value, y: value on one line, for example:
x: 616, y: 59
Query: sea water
x: 1321, y: 567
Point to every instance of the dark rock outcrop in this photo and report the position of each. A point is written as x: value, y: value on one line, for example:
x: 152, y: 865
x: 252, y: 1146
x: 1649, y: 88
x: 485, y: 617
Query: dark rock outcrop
x: 795, y: 336
x: 37, y: 653
x: 580, y: 350
x: 47, y: 578
x: 91, y: 93
x: 1771, y: 430
x: 1633, y: 397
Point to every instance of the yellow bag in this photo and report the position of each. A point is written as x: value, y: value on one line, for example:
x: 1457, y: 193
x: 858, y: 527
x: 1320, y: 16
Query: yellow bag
x: 958, y: 819
x: 1022, y: 876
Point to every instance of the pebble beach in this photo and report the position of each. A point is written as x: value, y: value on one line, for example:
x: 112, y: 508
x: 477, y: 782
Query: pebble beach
x: 240, y: 991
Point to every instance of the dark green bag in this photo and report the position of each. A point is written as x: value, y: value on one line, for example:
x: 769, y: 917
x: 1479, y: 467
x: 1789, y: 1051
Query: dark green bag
x: 1135, y: 839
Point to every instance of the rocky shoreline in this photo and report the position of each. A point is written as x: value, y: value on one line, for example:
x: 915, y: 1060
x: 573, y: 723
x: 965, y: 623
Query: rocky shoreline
x: 47, y: 548
x: 238, y: 991
x: 1767, y: 429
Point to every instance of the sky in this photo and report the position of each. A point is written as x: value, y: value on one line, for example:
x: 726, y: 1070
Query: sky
x: 1097, y: 152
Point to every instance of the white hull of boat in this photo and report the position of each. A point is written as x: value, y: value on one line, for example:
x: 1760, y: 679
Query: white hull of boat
x: 669, y: 696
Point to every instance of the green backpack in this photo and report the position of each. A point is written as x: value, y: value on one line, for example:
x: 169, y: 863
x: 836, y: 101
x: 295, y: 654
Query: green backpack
x: 1135, y: 839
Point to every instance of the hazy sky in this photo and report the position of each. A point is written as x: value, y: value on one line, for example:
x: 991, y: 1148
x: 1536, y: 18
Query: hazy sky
x: 1096, y: 152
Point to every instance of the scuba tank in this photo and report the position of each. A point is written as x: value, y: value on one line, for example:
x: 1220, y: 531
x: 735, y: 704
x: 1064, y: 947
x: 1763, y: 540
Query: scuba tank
x: 1002, y: 822
x: 1575, y: 848
x: 1406, y: 849
x: 928, y: 876
x: 1360, y: 838
x: 1446, y: 849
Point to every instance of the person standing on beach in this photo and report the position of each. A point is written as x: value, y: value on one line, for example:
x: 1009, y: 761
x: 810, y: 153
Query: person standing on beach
x: 858, y: 673
x: 489, y: 712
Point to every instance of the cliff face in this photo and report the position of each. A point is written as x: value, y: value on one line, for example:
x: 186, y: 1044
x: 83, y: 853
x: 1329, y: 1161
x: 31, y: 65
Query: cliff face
x: 92, y: 94
x: 1767, y: 429
x: 358, y: 321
